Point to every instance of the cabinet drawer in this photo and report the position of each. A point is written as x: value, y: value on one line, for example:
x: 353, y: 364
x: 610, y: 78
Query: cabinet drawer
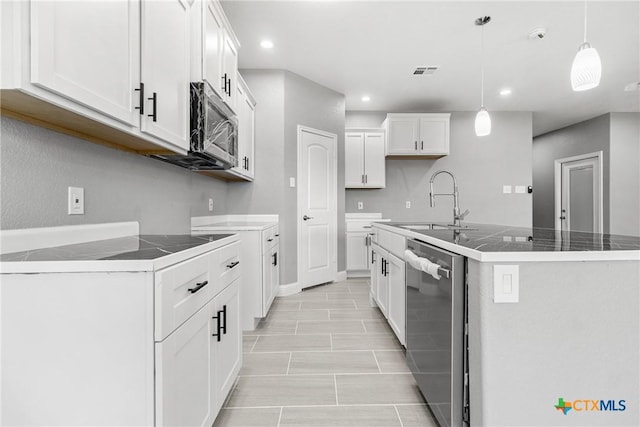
x: 270, y: 238
x: 225, y: 266
x: 181, y: 290
x: 359, y: 226
x: 394, y: 243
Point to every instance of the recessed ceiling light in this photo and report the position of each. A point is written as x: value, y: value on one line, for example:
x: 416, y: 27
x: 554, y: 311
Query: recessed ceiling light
x: 505, y: 92
x: 266, y: 44
x: 366, y: 98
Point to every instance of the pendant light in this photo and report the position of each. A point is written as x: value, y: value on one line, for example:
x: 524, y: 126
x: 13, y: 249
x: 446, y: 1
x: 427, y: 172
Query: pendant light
x: 587, y: 68
x: 483, y: 120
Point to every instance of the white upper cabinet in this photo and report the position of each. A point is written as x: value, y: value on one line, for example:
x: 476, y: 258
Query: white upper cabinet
x: 364, y: 159
x: 88, y: 52
x: 214, y: 50
x: 417, y: 134
x: 165, y: 70
x: 246, y: 130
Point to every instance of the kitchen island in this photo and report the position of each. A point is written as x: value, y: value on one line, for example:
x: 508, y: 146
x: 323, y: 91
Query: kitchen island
x: 569, y: 335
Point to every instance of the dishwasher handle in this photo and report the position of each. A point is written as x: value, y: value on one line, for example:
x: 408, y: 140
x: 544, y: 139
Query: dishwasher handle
x: 423, y: 264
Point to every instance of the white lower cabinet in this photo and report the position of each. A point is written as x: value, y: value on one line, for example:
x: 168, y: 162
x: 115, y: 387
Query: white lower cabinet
x: 397, y: 297
x: 184, y: 368
x: 388, y: 280
x: 357, y: 258
x: 124, y: 345
x: 227, y: 342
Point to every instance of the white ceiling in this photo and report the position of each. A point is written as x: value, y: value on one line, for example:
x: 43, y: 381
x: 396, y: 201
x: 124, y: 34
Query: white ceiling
x: 372, y: 47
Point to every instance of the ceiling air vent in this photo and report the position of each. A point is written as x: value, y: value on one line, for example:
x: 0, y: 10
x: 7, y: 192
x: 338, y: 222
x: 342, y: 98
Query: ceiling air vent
x: 425, y: 71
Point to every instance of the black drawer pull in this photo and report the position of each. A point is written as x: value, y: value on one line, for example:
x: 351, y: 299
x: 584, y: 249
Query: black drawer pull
x: 141, y: 90
x: 233, y: 264
x: 269, y: 240
x: 218, y: 335
x: 198, y: 287
x: 277, y: 235
x: 224, y: 319
x: 154, y: 115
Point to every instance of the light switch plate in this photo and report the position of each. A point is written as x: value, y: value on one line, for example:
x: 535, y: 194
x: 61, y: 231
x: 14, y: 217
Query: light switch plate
x: 76, y: 201
x: 506, y: 189
x: 506, y: 284
x: 521, y: 189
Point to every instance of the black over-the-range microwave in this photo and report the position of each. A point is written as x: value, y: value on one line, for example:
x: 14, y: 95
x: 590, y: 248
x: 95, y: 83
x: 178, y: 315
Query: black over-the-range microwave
x: 214, y: 133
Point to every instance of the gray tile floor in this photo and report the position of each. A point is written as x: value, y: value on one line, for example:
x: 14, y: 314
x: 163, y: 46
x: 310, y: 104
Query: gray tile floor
x: 324, y: 357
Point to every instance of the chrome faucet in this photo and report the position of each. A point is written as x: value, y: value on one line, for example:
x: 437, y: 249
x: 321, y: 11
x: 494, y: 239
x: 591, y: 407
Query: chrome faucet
x: 457, y: 216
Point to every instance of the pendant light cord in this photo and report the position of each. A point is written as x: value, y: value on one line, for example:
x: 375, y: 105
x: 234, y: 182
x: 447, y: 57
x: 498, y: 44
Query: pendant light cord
x: 585, y: 21
x: 482, y: 66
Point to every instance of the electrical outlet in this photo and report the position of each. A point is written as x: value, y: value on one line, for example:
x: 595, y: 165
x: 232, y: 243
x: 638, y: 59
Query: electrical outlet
x: 76, y: 201
x: 407, y: 204
x: 210, y: 205
x: 360, y: 206
x: 292, y: 182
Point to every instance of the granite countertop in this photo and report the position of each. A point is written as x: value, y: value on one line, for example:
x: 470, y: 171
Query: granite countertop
x: 131, y: 253
x: 503, y: 243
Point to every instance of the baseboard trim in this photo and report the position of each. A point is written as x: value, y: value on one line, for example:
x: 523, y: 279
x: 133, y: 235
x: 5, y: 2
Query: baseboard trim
x: 359, y: 274
x: 341, y: 275
x: 289, y: 289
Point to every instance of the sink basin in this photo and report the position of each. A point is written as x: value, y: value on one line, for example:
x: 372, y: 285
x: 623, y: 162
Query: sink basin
x: 434, y: 226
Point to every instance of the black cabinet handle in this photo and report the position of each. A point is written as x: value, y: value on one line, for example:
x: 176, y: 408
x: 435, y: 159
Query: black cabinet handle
x: 382, y: 266
x: 275, y: 259
x: 224, y: 319
x: 415, y: 145
x: 198, y: 287
x: 373, y: 257
x: 233, y: 264
x: 224, y: 83
x: 247, y: 163
x: 422, y: 145
x: 277, y: 235
x: 141, y: 98
x: 218, y: 335
x: 229, y: 87
x: 386, y: 267
x: 269, y: 240
x: 154, y: 98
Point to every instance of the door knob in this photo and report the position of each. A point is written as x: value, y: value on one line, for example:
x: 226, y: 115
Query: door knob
x: 307, y: 217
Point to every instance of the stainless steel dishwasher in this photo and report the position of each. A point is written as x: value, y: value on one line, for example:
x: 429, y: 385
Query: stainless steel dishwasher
x: 436, y: 340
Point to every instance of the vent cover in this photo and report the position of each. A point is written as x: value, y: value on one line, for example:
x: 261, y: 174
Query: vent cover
x: 426, y: 70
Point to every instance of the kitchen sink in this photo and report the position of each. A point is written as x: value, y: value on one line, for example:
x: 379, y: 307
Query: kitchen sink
x: 434, y: 226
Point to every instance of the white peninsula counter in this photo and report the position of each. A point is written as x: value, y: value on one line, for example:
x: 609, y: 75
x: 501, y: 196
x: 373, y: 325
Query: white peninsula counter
x: 571, y: 334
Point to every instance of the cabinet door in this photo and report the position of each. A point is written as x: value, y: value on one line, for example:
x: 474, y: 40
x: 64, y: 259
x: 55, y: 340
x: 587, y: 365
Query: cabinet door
x: 246, y: 135
x: 230, y: 67
x: 89, y: 52
x: 434, y: 135
x: 213, y: 47
x: 383, y: 282
x: 397, y: 295
x: 227, y: 352
x: 357, y: 251
x: 354, y: 160
x: 402, y: 137
x: 184, y: 396
x: 165, y: 70
x: 373, y: 272
x: 275, y: 272
x: 374, y: 160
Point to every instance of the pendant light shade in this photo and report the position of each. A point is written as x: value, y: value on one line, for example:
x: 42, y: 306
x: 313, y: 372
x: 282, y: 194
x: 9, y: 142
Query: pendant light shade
x: 586, y: 69
x: 483, y: 120
x: 483, y: 123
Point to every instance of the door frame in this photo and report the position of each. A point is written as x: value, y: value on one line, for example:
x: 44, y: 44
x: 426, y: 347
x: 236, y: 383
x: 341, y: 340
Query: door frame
x: 334, y: 219
x: 557, y: 183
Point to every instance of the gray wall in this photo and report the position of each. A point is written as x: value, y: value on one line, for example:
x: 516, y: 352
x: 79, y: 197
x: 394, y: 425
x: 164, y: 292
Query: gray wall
x: 574, y: 334
x: 624, y: 174
x: 283, y: 101
x: 582, y: 138
x: 37, y: 165
x: 481, y: 165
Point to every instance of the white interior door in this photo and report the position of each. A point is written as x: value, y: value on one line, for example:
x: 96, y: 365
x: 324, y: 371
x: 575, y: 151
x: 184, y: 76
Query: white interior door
x: 317, y: 207
x: 579, y: 193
